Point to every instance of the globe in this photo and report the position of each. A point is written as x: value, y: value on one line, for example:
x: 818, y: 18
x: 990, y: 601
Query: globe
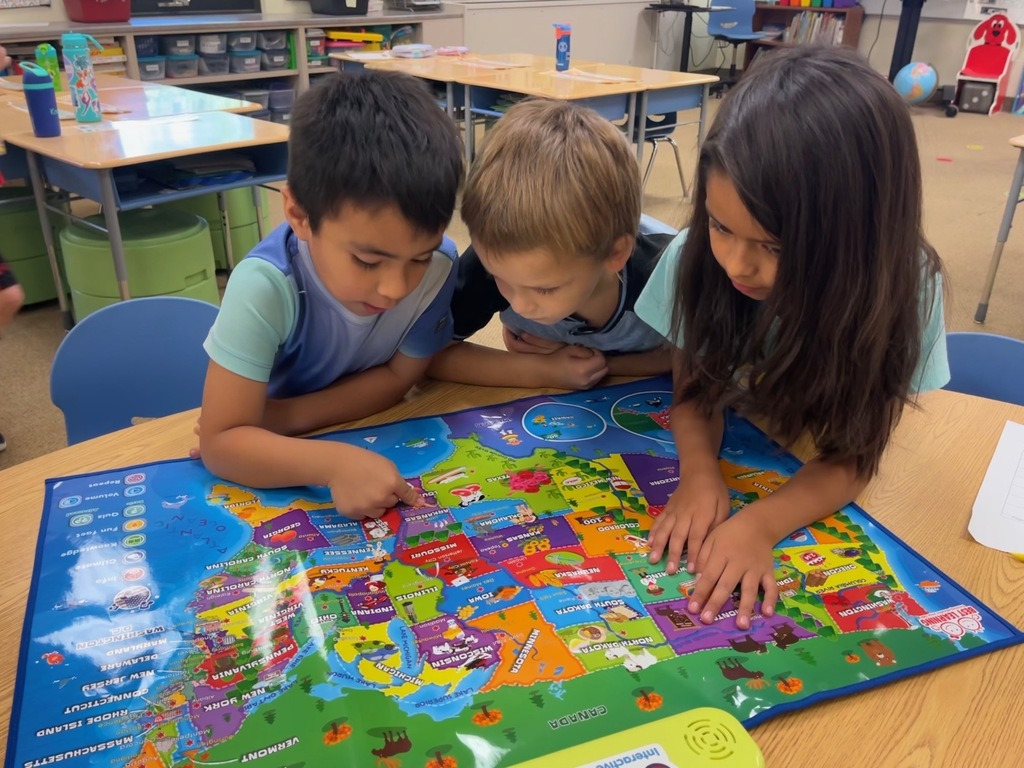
x: 916, y: 82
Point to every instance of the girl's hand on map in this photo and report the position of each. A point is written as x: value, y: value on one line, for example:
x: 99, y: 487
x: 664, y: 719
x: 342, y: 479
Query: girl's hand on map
x: 738, y: 552
x: 528, y: 344
x: 367, y: 485
x: 5, y: 60
x: 700, y: 503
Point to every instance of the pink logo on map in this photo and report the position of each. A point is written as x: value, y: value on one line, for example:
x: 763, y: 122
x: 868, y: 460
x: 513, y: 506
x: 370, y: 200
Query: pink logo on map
x: 953, y: 622
x: 135, y: 478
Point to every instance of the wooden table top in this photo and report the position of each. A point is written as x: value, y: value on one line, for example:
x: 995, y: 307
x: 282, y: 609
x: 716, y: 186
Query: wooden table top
x: 127, y: 100
x: 651, y: 79
x: 536, y: 76
x: 963, y: 714
x: 128, y: 142
x: 1017, y: 141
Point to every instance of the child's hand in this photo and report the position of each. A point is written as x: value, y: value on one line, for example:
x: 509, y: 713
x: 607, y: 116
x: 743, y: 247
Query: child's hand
x: 527, y: 343
x: 574, y: 367
x: 699, y: 505
x: 738, y: 552
x: 367, y: 485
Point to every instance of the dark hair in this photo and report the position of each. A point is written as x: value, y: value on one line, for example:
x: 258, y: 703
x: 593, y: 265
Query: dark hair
x: 822, y: 152
x: 374, y: 139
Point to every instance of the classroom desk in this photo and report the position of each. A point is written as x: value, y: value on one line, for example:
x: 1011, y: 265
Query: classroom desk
x: 611, y: 100
x: 1004, y: 230
x: 687, y: 10
x: 663, y: 92
x: 963, y: 714
x: 128, y: 100
x: 84, y: 158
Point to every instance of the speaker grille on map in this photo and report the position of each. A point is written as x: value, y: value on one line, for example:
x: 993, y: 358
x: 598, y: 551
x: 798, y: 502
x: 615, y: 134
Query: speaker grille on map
x: 708, y: 739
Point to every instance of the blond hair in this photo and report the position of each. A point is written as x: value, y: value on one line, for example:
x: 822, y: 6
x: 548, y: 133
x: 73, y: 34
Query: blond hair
x: 552, y: 176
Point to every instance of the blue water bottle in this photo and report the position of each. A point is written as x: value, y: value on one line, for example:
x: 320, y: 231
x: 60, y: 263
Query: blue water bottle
x: 41, y: 100
x: 81, y: 78
x: 562, y: 32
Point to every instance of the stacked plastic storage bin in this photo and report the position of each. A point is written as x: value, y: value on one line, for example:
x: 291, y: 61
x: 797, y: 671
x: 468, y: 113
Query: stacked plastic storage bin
x: 244, y: 59
x: 274, y: 52
x: 213, y: 54
x: 152, y: 66
x: 182, y: 59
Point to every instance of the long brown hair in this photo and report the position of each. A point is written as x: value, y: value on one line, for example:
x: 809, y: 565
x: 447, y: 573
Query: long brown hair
x: 822, y: 152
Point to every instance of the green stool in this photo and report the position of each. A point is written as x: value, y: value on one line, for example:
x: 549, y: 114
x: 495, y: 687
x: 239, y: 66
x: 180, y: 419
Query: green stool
x: 167, y: 253
x: 242, y: 221
x: 22, y: 244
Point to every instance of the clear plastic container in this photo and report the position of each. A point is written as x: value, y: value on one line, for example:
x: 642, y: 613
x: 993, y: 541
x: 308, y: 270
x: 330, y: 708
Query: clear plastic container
x: 271, y: 39
x: 214, y: 64
x: 241, y: 41
x: 152, y: 67
x: 281, y: 115
x: 316, y: 43
x: 245, y: 62
x: 259, y: 96
x: 274, y: 60
x: 213, y: 43
x: 182, y: 66
x: 178, y: 45
x: 282, y: 96
x: 147, y: 46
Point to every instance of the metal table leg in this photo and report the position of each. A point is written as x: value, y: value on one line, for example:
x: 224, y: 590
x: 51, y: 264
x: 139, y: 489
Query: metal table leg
x: 39, y: 192
x: 449, y: 97
x: 225, y: 226
x: 109, y: 203
x: 1004, y: 232
x: 257, y: 201
x: 641, y: 128
x: 468, y: 126
x: 702, y: 126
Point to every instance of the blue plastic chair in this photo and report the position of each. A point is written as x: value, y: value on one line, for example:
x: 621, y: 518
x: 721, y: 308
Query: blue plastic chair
x: 138, y: 358
x: 735, y: 27
x: 986, y: 365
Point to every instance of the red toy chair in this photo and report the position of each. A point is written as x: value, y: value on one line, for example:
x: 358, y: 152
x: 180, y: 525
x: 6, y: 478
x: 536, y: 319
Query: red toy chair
x: 991, y: 48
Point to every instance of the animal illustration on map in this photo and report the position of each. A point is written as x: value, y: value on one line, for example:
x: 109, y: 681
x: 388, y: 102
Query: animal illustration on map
x: 178, y: 503
x: 879, y: 651
x: 783, y: 636
x: 395, y: 743
x: 732, y: 669
x: 469, y: 494
x: 679, y: 620
x: 747, y: 645
x: 632, y: 660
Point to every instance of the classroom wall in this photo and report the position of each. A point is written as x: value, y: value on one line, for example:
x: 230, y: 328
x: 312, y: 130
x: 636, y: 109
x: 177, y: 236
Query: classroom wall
x: 939, y: 42
x: 55, y: 12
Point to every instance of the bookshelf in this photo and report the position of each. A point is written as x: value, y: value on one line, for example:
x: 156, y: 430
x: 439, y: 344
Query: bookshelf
x: 804, y: 24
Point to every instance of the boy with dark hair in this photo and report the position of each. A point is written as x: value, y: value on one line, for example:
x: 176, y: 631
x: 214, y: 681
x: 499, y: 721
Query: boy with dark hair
x: 336, y: 314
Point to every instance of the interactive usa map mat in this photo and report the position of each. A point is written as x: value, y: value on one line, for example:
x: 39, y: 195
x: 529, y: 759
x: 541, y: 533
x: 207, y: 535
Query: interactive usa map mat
x: 178, y: 620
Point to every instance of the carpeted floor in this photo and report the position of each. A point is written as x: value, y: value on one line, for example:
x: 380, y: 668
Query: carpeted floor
x: 967, y: 169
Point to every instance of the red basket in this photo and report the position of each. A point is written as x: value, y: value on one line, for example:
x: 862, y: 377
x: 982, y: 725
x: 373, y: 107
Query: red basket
x: 98, y: 11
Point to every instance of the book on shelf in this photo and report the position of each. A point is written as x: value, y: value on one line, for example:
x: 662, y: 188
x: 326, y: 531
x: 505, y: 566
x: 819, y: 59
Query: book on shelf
x: 815, y: 28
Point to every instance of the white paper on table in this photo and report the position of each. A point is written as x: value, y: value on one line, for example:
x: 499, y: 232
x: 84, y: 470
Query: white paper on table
x: 997, y: 520
x: 368, y: 55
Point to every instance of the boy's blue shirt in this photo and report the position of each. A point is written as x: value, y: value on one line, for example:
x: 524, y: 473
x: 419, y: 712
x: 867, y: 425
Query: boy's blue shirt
x: 279, y: 324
